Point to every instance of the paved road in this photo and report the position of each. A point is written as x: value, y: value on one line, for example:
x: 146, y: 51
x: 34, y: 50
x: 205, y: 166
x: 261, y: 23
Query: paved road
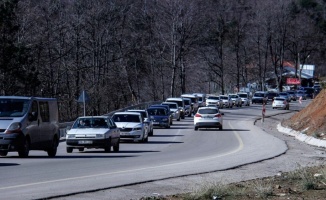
x: 176, y: 152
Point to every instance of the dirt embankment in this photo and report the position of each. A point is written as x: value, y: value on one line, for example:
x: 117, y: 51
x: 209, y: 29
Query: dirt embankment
x: 312, y: 119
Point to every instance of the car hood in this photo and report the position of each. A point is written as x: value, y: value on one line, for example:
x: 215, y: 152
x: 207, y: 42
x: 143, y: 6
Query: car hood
x: 83, y: 131
x: 127, y: 124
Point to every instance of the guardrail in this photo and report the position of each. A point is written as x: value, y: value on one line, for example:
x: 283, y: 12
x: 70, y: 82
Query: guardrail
x: 63, y: 126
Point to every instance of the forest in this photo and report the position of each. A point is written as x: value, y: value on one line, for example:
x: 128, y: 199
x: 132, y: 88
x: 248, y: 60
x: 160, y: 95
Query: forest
x: 124, y: 52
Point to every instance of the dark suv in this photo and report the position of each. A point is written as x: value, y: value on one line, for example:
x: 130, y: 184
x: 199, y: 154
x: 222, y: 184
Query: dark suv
x: 259, y: 97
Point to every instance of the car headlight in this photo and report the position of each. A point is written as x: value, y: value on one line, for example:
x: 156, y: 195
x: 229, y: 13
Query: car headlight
x: 14, y: 128
x: 69, y: 136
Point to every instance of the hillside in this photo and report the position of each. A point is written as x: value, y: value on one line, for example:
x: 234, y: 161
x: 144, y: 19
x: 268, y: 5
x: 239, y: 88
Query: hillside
x: 312, y: 119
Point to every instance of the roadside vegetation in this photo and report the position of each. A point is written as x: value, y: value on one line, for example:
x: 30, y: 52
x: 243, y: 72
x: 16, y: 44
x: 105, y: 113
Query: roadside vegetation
x: 303, y: 183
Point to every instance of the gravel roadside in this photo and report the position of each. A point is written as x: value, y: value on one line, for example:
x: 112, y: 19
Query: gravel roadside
x: 298, y: 155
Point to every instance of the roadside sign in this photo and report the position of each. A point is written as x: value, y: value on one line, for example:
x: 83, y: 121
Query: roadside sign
x: 83, y: 98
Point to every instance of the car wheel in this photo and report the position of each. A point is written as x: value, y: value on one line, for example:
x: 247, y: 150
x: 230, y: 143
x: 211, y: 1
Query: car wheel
x: 221, y: 128
x: 24, y: 150
x: 178, y: 118
x: 53, y: 150
x: 3, y: 153
x: 107, y: 148
x: 81, y: 149
x: 116, y: 147
x: 69, y: 149
x: 151, y: 133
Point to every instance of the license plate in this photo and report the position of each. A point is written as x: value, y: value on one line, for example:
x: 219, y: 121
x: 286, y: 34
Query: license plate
x: 85, y: 142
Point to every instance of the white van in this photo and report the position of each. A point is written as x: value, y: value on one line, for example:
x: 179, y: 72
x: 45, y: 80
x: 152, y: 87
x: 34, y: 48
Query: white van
x: 28, y: 123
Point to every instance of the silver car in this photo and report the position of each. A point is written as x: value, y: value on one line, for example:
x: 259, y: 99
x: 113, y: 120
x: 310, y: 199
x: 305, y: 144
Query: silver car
x: 174, y: 108
x: 146, y: 120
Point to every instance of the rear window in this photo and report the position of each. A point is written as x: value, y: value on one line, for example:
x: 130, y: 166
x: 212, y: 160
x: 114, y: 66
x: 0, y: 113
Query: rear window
x: 214, y: 98
x: 207, y: 111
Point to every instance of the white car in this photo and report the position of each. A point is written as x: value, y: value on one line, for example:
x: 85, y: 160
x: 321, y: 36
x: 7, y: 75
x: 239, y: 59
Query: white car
x: 208, y: 117
x: 244, y: 99
x: 93, y: 132
x: 214, y: 100
x: 180, y: 103
x: 174, y: 108
x: 236, y: 100
x: 227, y: 102
x: 146, y: 119
x: 194, y: 101
x: 131, y: 125
x: 280, y: 102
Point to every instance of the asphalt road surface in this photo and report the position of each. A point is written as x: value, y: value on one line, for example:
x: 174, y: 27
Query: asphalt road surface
x: 175, y: 153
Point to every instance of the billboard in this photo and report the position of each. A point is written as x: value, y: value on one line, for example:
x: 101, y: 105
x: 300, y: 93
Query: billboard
x: 292, y: 81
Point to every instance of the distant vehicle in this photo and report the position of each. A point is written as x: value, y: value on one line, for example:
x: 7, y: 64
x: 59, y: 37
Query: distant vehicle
x: 93, y: 132
x: 188, y: 106
x: 271, y: 95
x: 309, y: 92
x: 280, y: 102
x: 180, y: 103
x: 259, y: 97
x: 236, y: 100
x: 302, y: 94
x: 227, y: 102
x: 131, y: 125
x: 174, y: 108
x: 244, y: 98
x: 292, y: 94
x: 28, y: 123
x: 208, y: 117
x: 201, y: 99
x: 159, y: 116
x: 194, y: 101
x: 285, y: 95
x: 214, y: 100
x: 168, y: 111
x: 146, y: 120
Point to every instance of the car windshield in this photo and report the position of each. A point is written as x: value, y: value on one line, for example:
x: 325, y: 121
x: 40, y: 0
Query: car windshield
x: 13, y: 107
x: 125, y: 118
x: 243, y: 95
x: 187, y: 102
x: 259, y: 94
x: 171, y: 105
x: 91, y: 122
x: 233, y: 96
x: 214, y: 98
x: 178, y: 102
x: 207, y: 111
x: 158, y: 111
x: 223, y: 97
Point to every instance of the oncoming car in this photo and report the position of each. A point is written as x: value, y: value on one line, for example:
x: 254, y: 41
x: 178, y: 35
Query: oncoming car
x: 208, y: 117
x: 93, y: 132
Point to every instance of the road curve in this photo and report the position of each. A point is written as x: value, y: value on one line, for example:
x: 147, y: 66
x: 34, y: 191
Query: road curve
x: 174, y: 152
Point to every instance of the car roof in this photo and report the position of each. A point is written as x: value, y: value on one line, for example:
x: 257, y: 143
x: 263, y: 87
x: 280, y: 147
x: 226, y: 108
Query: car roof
x: 169, y: 103
x: 279, y: 98
x: 174, y: 99
x: 135, y: 110
x: 127, y: 113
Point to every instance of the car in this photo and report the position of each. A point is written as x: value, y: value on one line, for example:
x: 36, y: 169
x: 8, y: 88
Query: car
x: 167, y: 107
x: 227, y: 102
x: 271, y: 95
x: 174, y: 108
x: 285, y: 95
x: 292, y: 94
x: 280, y: 102
x: 301, y: 94
x: 131, y: 125
x: 194, y: 101
x: 28, y: 123
x: 93, y: 132
x: 244, y: 98
x: 188, y: 107
x: 236, y: 100
x: 201, y: 99
x: 159, y: 116
x: 214, y: 100
x: 146, y: 120
x: 259, y: 97
x: 208, y: 117
x: 309, y: 91
x: 180, y: 103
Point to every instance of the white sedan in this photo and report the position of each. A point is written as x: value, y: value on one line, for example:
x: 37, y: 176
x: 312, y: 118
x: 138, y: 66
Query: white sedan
x: 280, y: 102
x: 93, y: 132
x: 208, y: 117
